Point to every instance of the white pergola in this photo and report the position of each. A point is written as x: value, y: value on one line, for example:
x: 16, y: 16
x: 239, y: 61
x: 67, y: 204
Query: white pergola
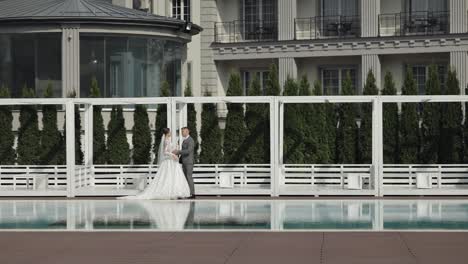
x: 273, y: 179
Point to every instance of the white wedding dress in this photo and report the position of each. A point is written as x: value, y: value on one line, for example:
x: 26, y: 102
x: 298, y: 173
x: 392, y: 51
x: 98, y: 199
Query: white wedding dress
x: 169, y: 182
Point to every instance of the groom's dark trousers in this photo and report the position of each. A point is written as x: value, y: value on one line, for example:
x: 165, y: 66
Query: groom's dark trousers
x: 186, y: 159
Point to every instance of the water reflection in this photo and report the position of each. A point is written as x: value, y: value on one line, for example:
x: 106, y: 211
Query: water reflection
x: 277, y: 215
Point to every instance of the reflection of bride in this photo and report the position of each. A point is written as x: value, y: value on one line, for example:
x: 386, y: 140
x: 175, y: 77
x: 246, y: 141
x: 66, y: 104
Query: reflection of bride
x: 169, y: 182
x: 168, y: 215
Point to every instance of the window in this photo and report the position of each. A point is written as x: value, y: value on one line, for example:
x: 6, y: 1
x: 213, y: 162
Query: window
x: 332, y: 79
x: 426, y: 5
x: 143, y: 5
x: 340, y: 7
x: 181, y: 9
x: 189, y: 73
x: 247, y: 77
x: 259, y: 19
x: 421, y: 73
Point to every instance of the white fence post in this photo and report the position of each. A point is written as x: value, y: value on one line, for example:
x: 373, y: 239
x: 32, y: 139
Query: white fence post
x: 88, y: 141
x: 377, y: 145
x: 70, y: 146
x: 172, y: 118
x: 275, y: 145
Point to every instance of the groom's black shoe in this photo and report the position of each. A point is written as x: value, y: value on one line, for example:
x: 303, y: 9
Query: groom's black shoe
x: 191, y: 197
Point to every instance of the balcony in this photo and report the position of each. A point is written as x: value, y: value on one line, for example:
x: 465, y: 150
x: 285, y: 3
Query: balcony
x: 414, y: 23
x: 322, y: 27
x: 246, y: 31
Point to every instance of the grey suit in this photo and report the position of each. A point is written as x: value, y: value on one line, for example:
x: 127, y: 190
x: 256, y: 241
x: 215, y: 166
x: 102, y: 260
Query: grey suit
x: 186, y: 159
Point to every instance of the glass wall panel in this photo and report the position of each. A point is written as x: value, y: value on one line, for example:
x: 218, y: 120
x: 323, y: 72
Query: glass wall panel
x: 129, y: 66
x: 32, y: 60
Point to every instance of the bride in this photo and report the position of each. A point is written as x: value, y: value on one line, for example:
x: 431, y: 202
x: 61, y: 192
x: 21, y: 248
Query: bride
x: 169, y: 182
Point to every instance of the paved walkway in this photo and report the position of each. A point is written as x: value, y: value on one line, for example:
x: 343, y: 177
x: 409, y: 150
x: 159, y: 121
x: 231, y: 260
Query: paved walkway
x: 232, y: 248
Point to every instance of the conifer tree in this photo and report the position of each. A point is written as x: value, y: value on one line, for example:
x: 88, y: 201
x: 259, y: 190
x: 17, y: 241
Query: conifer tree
x: 99, y: 137
x: 272, y: 88
x: 255, y: 120
x: 28, y: 133
x: 51, y: 138
x: 347, y: 137
x: 7, y: 138
x: 293, y: 138
x: 320, y: 130
x: 307, y: 116
x: 192, y: 121
x: 211, y: 148
x: 370, y: 88
x: 118, y: 150
x: 161, y: 118
x: 235, y: 131
x: 141, y: 136
x: 332, y: 118
x: 409, y: 123
x: 391, y: 124
x: 431, y: 120
x: 451, y: 140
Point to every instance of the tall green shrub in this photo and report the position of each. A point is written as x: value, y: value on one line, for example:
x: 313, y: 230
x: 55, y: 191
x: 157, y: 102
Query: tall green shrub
x: 51, y: 138
x: 161, y: 119
x: 192, y: 121
x: 306, y: 114
x: 211, y: 148
x: 255, y: 120
x: 451, y: 139
x: 28, y: 133
x: 235, y: 131
x: 331, y: 116
x: 272, y: 88
x: 319, y: 128
x: 409, y: 124
x: 391, y: 124
x: 347, y: 137
x: 141, y: 136
x: 99, y: 137
x: 118, y: 150
x: 293, y: 127
x: 365, y: 141
x: 7, y: 138
x: 431, y: 120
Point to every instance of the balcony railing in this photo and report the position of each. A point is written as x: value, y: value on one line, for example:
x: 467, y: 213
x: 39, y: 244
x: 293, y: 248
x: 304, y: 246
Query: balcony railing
x: 327, y: 27
x: 246, y: 31
x: 413, y: 23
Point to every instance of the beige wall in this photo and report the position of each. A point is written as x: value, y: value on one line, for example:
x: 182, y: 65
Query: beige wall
x: 396, y: 64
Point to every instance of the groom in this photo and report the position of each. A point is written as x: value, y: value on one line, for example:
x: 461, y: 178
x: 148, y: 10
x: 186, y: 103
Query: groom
x: 186, y: 158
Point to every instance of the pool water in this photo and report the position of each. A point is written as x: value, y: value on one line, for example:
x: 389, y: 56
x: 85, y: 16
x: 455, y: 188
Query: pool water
x: 234, y: 215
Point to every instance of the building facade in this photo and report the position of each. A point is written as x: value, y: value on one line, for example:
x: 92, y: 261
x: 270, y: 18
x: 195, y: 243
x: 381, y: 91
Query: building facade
x: 322, y: 39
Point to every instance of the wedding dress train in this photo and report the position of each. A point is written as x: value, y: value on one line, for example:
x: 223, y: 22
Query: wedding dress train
x: 169, y: 182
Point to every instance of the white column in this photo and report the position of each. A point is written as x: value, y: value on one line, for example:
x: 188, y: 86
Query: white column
x: 458, y: 61
x: 70, y: 59
x: 70, y: 147
x: 287, y: 12
x: 371, y: 62
x: 377, y: 145
x: 458, y: 16
x: 171, y: 118
x: 370, y: 10
x: 182, y: 120
x: 275, y: 167
x: 286, y: 67
x: 89, y: 140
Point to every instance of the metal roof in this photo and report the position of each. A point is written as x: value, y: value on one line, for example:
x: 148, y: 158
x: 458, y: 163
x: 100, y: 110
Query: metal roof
x: 82, y: 11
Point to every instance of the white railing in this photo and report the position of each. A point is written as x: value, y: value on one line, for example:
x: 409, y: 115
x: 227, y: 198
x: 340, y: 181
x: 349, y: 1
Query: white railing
x: 297, y: 179
x: 270, y: 179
